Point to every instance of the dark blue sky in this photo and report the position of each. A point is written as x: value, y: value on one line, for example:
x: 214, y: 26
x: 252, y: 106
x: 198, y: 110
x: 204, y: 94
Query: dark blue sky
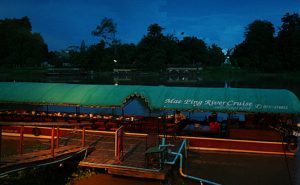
x: 64, y: 23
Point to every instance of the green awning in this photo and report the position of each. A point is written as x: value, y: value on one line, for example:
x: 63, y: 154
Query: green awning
x: 157, y: 97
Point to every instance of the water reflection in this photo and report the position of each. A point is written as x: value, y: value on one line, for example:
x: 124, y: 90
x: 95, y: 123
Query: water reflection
x: 172, y: 79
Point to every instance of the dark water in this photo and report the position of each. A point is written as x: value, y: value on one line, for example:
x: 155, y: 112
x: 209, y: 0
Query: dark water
x: 200, y: 80
x: 224, y: 168
x: 288, y: 81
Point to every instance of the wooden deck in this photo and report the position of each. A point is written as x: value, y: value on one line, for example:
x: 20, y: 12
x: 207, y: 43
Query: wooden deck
x: 134, y: 163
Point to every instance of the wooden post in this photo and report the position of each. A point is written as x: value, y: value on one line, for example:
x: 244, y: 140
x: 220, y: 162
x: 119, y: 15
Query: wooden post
x: 297, y: 171
x: 77, y: 110
x: 57, y: 137
x: 52, y: 142
x: 83, y: 137
x: 21, y: 139
x: 0, y: 141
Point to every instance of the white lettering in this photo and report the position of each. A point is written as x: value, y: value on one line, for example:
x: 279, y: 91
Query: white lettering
x: 173, y: 101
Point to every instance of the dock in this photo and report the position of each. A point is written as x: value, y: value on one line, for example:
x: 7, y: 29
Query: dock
x: 134, y: 161
x: 119, y: 153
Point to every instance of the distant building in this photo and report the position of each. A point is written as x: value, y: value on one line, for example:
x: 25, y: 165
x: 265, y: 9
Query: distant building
x: 46, y: 64
x: 66, y: 64
x: 183, y: 69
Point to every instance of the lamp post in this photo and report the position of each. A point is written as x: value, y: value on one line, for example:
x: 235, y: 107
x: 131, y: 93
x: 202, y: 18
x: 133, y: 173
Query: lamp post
x: 116, y: 70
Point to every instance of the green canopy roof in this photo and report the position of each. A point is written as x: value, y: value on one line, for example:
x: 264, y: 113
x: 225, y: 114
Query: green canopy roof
x: 157, y: 97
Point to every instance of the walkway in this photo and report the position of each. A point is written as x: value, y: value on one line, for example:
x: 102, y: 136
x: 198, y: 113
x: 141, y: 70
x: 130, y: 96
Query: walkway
x: 133, y: 163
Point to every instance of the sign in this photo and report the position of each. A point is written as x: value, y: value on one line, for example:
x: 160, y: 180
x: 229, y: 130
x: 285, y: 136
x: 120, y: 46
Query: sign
x: 211, y: 104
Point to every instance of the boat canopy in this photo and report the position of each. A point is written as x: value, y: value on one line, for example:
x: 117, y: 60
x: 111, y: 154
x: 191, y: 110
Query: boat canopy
x: 156, y: 97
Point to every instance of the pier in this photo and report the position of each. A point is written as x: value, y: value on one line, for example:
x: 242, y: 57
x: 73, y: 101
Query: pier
x: 140, y: 158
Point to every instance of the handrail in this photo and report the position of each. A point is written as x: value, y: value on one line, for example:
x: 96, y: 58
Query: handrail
x: 183, y: 144
x: 180, y: 168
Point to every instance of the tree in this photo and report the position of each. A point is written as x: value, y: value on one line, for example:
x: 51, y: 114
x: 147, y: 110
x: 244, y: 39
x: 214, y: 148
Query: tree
x: 289, y: 41
x: 155, y: 31
x: 95, y: 55
x: 126, y: 54
x: 258, y: 50
x: 82, y: 46
x: 195, y: 50
x: 215, y: 56
x: 19, y: 46
x: 106, y: 31
x: 150, y: 49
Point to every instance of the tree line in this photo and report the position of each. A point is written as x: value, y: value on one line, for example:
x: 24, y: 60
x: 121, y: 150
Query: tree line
x: 262, y: 49
x: 265, y: 51
x: 154, y: 52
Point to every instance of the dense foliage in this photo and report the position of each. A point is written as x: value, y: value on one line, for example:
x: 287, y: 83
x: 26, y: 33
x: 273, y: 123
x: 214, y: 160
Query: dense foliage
x: 263, y: 48
x: 154, y: 52
x: 19, y: 47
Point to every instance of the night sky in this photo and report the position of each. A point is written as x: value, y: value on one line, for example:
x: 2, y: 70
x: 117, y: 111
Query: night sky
x: 64, y: 23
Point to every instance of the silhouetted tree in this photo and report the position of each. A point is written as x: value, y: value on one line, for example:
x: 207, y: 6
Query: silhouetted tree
x: 82, y: 46
x: 19, y: 46
x: 151, y: 54
x: 258, y: 50
x: 215, y: 56
x: 155, y: 31
x: 289, y: 41
x: 194, y: 50
x: 126, y: 54
x: 106, y: 31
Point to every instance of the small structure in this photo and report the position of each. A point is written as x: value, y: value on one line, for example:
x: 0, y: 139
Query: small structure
x: 66, y: 71
x: 227, y: 61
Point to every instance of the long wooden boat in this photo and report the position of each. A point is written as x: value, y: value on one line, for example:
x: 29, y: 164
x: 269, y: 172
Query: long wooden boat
x: 264, y: 108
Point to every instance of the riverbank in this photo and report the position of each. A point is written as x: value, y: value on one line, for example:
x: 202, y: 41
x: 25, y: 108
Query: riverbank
x: 208, y: 77
x: 212, y: 73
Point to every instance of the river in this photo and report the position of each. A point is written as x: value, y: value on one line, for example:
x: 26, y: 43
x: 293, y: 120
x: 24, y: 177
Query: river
x: 224, y: 168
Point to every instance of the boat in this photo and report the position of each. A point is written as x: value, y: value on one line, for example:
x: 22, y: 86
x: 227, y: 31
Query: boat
x: 235, y: 119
